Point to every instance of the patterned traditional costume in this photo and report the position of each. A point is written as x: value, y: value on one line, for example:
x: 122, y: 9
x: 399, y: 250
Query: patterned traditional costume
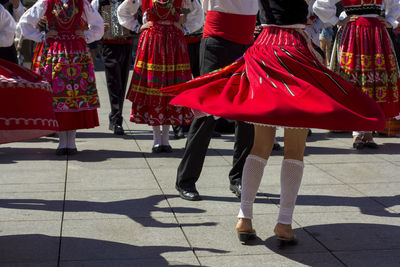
x: 65, y: 61
x: 162, y: 60
x: 363, y: 52
x: 26, y: 104
x: 280, y: 81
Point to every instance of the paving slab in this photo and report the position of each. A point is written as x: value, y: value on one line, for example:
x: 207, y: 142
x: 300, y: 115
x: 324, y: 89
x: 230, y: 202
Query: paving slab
x: 110, y: 179
x: 363, y: 172
x: 352, y: 231
x: 31, y: 206
x: 29, y: 242
x: 280, y: 259
x: 370, y: 258
x: 124, y: 239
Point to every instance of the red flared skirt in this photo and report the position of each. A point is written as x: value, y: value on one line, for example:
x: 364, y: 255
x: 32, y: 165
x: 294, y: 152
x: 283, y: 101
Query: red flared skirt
x: 279, y: 81
x: 162, y: 60
x: 26, y: 110
x: 364, y: 55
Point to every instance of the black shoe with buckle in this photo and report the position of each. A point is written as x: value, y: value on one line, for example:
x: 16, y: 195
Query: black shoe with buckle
x: 118, y: 130
x: 188, y: 194
x: 236, y: 189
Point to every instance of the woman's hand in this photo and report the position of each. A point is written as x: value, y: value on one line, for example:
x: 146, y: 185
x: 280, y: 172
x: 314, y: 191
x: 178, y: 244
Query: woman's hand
x: 348, y: 19
x: 80, y: 34
x: 51, y: 34
x: 147, y: 25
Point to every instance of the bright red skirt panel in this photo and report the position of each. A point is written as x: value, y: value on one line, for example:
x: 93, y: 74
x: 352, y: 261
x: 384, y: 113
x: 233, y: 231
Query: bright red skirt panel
x: 279, y: 81
x: 85, y: 119
x: 26, y: 110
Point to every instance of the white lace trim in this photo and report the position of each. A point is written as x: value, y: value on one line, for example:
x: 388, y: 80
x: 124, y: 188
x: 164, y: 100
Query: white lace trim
x: 19, y: 82
x: 37, y: 121
x: 270, y: 125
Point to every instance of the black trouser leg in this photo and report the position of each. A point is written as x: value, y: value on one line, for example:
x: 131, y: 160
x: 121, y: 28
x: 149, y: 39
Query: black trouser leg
x: 214, y: 53
x: 117, y: 59
x: 197, y: 142
x: 9, y: 53
x: 244, y: 137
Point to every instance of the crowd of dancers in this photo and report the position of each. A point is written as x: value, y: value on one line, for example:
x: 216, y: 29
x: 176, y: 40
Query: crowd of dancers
x: 278, y: 79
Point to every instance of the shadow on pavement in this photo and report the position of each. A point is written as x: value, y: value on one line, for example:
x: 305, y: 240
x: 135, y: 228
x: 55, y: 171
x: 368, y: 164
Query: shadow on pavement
x: 353, y: 244
x: 363, y: 203
x: 139, y: 210
x: 40, y: 248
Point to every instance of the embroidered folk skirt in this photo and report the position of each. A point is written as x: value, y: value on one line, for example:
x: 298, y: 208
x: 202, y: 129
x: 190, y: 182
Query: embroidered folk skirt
x: 364, y: 55
x: 26, y: 110
x: 66, y: 64
x: 279, y: 81
x: 162, y: 60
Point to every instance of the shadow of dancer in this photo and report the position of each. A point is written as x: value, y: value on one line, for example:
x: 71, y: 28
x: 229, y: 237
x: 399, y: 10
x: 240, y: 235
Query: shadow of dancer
x: 139, y: 210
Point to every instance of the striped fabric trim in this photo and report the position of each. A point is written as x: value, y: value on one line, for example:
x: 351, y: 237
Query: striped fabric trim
x: 157, y: 67
x: 146, y: 90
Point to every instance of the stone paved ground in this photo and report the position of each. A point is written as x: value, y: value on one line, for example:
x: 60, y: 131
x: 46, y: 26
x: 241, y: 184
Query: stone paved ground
x: 114, y: 204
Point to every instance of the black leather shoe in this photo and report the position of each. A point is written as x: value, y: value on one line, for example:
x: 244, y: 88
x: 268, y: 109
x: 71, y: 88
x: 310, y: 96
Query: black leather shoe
x: 118, y: 130
x: 156, y: 149
x: 236, y: 189
x: 166, y: 149
x: 276, y: 147
x: 191, y: 195
x: 72, y: 151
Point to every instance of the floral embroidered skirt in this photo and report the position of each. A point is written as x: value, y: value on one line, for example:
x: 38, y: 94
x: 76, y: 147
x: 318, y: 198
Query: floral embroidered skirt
x: 281, y: 82
x: 162, y: 61
x: 364, y: 55
x: 26, y: 110
x: 66, y: 64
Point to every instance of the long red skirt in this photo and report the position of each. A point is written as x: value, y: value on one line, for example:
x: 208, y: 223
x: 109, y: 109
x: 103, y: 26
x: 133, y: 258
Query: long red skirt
x: 26, y: 110
x: 162, y: 61
x: 280, y: 82
x: 364, y: 55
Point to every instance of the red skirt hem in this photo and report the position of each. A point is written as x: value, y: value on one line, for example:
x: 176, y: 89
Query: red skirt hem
x: 77, y: 120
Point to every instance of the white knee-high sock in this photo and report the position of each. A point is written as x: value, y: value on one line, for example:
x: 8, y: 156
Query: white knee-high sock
x: 165, y: 135
x: 157, y: 135
x: 291, y: 175
x: 62, y: 139
x: 71, y: 139
x: 253, y: 171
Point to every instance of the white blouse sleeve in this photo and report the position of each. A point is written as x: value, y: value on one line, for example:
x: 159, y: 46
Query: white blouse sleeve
x: 326, y: 11
x: 18, y: 12
x: 7, y: 28
x: 195, y: 17
x: 392, y: 9
x: 27, y: 23
x: 94, y: 21
x: 126, y: 14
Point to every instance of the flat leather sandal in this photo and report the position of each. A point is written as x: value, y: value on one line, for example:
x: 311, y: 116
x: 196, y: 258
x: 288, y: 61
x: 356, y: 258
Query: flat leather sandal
x: 245, y: 236
x: 286, y: 242
x: 371, y: 144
